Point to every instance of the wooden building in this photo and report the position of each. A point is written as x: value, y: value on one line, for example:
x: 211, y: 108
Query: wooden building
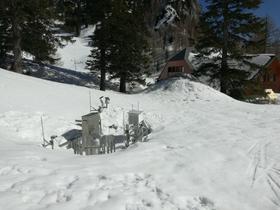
x: 263, y: 69
x: 269, y: 76
x: 178, y: 65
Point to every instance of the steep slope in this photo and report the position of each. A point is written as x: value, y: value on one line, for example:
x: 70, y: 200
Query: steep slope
x: 207, y: 151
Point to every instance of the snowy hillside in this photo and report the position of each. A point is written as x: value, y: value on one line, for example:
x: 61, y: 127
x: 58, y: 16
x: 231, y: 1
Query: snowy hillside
x: 206, y: 152
x: 75, y: 54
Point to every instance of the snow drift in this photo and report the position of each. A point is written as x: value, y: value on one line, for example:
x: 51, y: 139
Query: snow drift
x: 207, y: 151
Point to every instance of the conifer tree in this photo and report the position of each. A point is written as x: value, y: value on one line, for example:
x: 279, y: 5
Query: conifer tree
x: 74, y: 14
x: 272, y: 38
x: 4, y: 38
x: 37, y: 37
x: 119, y: 41
x: 30, y: 29
x: 226, y: 29
x: 129, y: 41
x: 98, y: 12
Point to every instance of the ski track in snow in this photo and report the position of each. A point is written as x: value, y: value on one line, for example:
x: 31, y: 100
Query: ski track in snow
x: 206, y: 152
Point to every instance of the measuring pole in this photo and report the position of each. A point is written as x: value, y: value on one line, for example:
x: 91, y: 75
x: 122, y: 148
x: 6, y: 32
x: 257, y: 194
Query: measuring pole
x: 123, y: 122
x: 89, y: 100
x: 43, y: 133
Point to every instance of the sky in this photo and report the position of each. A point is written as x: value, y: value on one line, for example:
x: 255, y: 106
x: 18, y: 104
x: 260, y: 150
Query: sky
x: 270, y: 8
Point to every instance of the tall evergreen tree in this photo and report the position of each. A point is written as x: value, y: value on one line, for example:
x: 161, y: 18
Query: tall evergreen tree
x: 272, y: 37
x: 119, y: 41
x: 129, y: 41
x: 227, y: 28
x: 99, y: 59
x: 14, y: 11
x: 99, y: 12
x: 74, y: 14
x: 31, y: 24
x: 4, y: 35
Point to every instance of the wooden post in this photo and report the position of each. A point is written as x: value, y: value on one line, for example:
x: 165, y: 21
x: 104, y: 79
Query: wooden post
x: 43, y: 133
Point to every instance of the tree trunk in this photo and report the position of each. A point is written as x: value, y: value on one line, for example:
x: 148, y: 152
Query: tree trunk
x: 102, y: 70
x: 123, y: 82
x: 78, y: 18
x: 224, y: 64
x: 17, y: 65
x: 102, y: 60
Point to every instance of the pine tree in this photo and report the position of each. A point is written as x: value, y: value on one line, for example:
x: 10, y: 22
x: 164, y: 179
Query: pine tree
x: 226, y: 29
x: 99, y: 60
x: 37, y: 36
x: 4, y: 36
x: 272, y: 40
x: 13, y: 11
x: 29, y: 26
x: 98, y: 12
x: 74, y: 14
x: 119, y: 41
x: 129, y: 41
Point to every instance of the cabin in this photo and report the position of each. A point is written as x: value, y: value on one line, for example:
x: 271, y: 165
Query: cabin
x: 263, y: 69
x: 178, y: 65
x: 269, y: 76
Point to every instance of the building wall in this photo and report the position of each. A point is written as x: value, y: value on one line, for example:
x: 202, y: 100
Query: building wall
x: 270, y: 79
x: 187, y: 69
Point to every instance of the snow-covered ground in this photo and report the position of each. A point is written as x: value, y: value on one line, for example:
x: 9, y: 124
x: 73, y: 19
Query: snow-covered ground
x: 207, y: 151
x: 75, y: 54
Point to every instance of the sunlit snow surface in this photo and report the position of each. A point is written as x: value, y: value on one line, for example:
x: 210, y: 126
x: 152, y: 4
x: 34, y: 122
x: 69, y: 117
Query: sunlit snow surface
x: 74, y: 55
x: 207, y: 151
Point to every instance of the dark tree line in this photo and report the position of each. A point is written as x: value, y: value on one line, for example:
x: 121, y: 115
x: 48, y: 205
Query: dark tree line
x: 124, y: 38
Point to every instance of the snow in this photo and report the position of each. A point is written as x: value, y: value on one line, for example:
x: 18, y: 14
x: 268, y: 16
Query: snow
x: 257, y: 61
x: 207, y: 151
x: 261, y: 59
x: 75, y: 54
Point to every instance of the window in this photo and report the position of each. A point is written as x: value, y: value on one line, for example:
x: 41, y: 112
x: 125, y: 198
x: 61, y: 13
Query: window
x: 175, y: 69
